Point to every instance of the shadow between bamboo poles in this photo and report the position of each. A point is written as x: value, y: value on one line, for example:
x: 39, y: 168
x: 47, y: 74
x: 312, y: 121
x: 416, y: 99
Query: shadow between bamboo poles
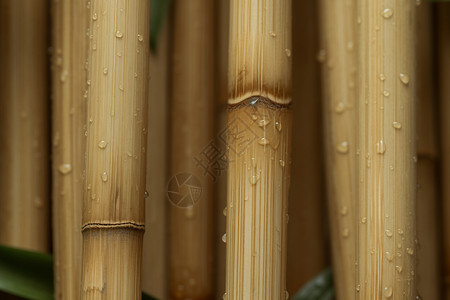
x: 154, y: 272
x: 69, y: 105
x: 443, y: 71
x: 429, y: 256
x: 387, y: 158
x: 259, y: 124
x: 113, y: 208
x: 339, y: 57
x: 24, y: 207
x: 306, y: 243
x: 191, y: 170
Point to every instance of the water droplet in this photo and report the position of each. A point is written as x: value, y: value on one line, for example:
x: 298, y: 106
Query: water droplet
x: 263, y: 141
x: 387, y: 13
x: 88, y: 82
x: 94, y: 17
x: 254, y: 179
x: 358, y: 20
x: 288, y: 52
x: 391, y: 167
x: 364, y: 220
x: 387, y: 291
x: 414, y: 159
x: 389, y: 256
x: 224, y: 238
x: 399, y: 269
x: 321, y: 56
x: 342, y: 147
x: 89, y: 187
x: 225, y: 296
x: 272, y: 34
x: 94, y: 46
x: 345, y: 232
x: 105, y: 177
x: 287, y: 218
x: 410, y: 251
x: 263, y: 122
x: 397, y: 125
x: 339, y: 107
x: 64, y: 75
x: 381, y: 147
x: 286, y: 295
x: 105, y: 71
x: 102, y: 144
x: 146, y: 194
x: 254, y: 117
x: 119, y: 34
x: 400, y: 232
x: 358, y: 287
x: 344, y: 210
x: 386, y: 93
x: 399, y: 246
x: 140, y: 38
x: 278, y: 125
x: 65, y: 169
x: 93, y: 196
x: 225, y: 211
x: 282, y: 163
x: 382, y: 77
x: 404, y: 78
x: 388, y: 233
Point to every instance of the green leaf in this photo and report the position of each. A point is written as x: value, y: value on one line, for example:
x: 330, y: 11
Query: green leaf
x: 320, y: 288
x: 26, y: 274
x: 147, y: 297
x: 158, y: 11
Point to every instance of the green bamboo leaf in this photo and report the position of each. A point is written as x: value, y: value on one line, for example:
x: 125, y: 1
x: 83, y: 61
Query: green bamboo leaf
x: 158, y: 12
x: 319, y: 288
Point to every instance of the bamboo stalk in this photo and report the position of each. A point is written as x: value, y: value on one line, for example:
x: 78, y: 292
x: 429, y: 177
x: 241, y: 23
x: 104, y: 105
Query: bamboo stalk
x: 443, y: 48
x: 339, y: 57
x: 154, y: 276
x: 70, y: 22
x: 306, y: 200
x: 428, y: 218
x: 113, y: 208
x: 386, y: 254
x: 259, y: 148
x: 24, y: 207
x: 191, y: 226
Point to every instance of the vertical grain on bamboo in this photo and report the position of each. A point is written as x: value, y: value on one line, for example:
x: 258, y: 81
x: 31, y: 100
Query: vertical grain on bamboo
x: 70, y: 22
x: 24, y: 207
x: 113, y: 206
x: 192, y: 101
x: 306, y: 200
x: 428, y: 218
x: 386, y: 257
x: 338, y: 57
x: 154, y: 274
x: 259, y: 129
x: 443, y: 49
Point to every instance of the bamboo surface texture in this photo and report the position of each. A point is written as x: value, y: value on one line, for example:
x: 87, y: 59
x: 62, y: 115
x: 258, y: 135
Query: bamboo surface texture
x: 192, y: 102
x: 306, y: 243
x: 154, y: 274
x: 386, y: 254
x: 443, y: 50
x: 259, y: 133
x: 69, y: 54
x: 24, y: 206
x: 338, y: 56
x: 113, y: 209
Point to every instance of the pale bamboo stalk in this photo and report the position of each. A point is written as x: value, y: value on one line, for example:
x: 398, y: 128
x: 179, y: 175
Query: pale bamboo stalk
x: 428, y: 218
x: 113, y: 209
x: 306, y: 248
x: 386, y: 254
x: 191, y: 228
x: 24, y: 155
x: 70, y: 22
x: 259, y: 128
x: 154, y: 273
x: 339, y: 57
x: 443, y: 59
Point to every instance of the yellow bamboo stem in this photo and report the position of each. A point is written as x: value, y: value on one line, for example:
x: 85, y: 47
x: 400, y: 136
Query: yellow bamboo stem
x: 154, y: 274
x: 259, y: 128
x: 386, y: 264
x: 191, y: 226
x: 70, y: 22
x: 306, y: 249
x: 24, y: 156
x: 338, y: 57
x: 113, y: 209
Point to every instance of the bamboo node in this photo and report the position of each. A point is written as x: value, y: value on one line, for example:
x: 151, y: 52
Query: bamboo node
x: 113, y: 225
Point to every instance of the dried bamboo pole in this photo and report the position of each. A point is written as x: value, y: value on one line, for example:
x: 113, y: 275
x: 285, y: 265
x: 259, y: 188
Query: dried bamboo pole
x: 443, y: 49
x: 191, y: 224
x: 306, y: 200
x: 338, y: 56
x: 259, y: 148
x: 70, y: 22
x: 428, y: 218
x: 154, y: 274
x: 387, y: 152
x: 24, y: 180
x: 113, y: 209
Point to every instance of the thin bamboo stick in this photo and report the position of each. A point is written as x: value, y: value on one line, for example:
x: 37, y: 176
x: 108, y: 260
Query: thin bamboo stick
x: 154, y: 276
x: 259, y: 148
x: 306, y: 248
x: 428, y: 218
x: 191, y: 226
x: 443, y: 49
x: 70, y: 22
x: 24, y: 181
x: 387, y: 153
x: 339, y: 57
x: 113, y: 208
